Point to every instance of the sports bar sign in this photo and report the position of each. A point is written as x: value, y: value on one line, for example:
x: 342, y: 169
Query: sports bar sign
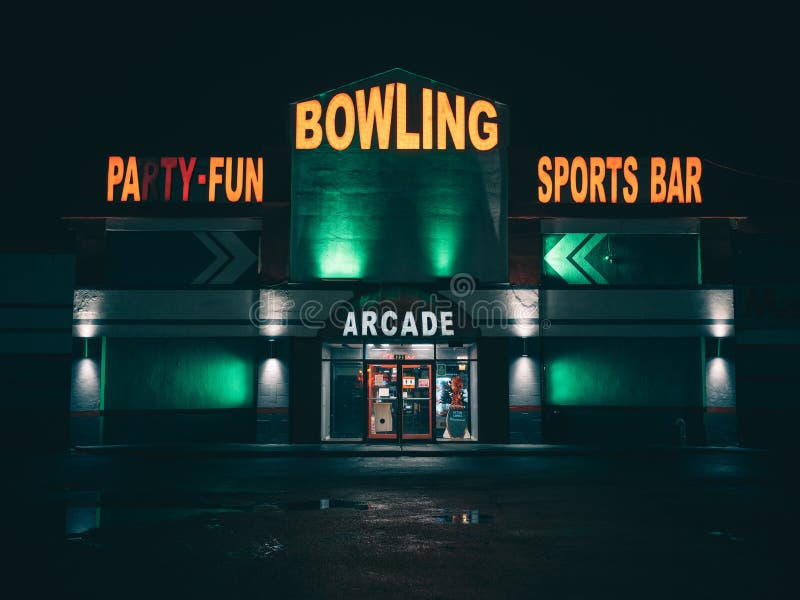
x: 616, y: 179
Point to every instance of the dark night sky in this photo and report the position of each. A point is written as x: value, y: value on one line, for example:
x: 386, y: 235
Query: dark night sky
x: 721, y: 86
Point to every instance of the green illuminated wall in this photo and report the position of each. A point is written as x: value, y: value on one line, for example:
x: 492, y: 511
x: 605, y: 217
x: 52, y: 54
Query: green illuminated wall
x: 178, y: 374
x: 620, y: 259
x: 399, y: 215
x: 622, y: 372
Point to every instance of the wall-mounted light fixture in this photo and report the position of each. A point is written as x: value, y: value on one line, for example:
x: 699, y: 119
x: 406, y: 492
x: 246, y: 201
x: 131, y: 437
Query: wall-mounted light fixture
x: 524, y: 346
x: 271, y: 348
x: 609, y: 256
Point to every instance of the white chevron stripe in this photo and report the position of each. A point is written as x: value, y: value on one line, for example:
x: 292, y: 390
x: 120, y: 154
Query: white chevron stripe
x: 579, y: 258
x: 219, y: 258
x: 243, y: 257
x: 558, y: 258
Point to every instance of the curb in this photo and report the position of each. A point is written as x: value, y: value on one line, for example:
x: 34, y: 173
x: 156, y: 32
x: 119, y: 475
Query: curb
x: 378, y: 450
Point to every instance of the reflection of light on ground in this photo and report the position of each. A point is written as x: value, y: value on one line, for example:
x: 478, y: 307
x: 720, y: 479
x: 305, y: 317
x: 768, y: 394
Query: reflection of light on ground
x: 466, y: 517
x: 80, y: 519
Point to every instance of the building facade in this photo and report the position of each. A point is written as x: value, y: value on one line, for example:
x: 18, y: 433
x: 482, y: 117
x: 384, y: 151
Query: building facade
x: 401, y: 272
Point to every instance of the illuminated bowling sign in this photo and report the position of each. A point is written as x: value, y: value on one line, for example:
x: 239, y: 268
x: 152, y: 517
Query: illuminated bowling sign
x: 386, y: 116
x: 619, y: 180
x: 179, y: 179
x: 398, y: 159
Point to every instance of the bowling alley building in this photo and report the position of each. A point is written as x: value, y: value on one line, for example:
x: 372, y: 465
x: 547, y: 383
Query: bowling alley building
x: 405, y: 270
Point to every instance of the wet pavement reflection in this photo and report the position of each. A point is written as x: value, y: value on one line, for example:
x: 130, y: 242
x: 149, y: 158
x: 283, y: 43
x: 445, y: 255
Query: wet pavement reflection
x: 386, y: 527
x: 93, y: 509
x: 322, y: 504
x: 467, y: 517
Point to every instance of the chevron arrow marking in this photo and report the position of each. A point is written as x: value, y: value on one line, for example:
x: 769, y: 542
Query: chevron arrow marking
x: 220, y: 258
x: 558, y: 258
x: 231, y: 257
x: 241, y: 257
x: 579, y: 258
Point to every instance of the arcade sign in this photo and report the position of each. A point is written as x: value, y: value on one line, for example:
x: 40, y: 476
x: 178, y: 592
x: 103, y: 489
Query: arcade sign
x: 430, y: 324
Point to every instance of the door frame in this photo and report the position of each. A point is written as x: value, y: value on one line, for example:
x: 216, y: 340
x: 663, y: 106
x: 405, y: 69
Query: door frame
x: 367, y: 403
x: 431, y: 399
x: 399, y: 436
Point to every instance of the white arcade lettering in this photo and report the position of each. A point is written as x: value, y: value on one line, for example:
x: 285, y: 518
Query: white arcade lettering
x: 387, y: 325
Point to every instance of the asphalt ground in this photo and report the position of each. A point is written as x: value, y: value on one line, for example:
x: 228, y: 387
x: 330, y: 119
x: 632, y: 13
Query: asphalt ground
x: 633, y: 524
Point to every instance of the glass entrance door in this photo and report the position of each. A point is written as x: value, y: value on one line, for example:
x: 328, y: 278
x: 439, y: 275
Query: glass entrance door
x: 382, y: 401
x: 417, y: 400
x: 399, y: 400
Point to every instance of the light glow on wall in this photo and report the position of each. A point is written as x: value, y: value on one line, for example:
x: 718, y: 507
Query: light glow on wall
x: 272, y: 330
x: 524, y: 381
x: 443, y: 242
x: 622, y: 372
x: 401, y: 215
x: 720, y: 382
x: 719, y: 306
x: 271, y: 371
x: 178, y: 374
x: 88, y: 372
x: 341, y: 259
x: 85, y: 388
x: 85, y: 330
